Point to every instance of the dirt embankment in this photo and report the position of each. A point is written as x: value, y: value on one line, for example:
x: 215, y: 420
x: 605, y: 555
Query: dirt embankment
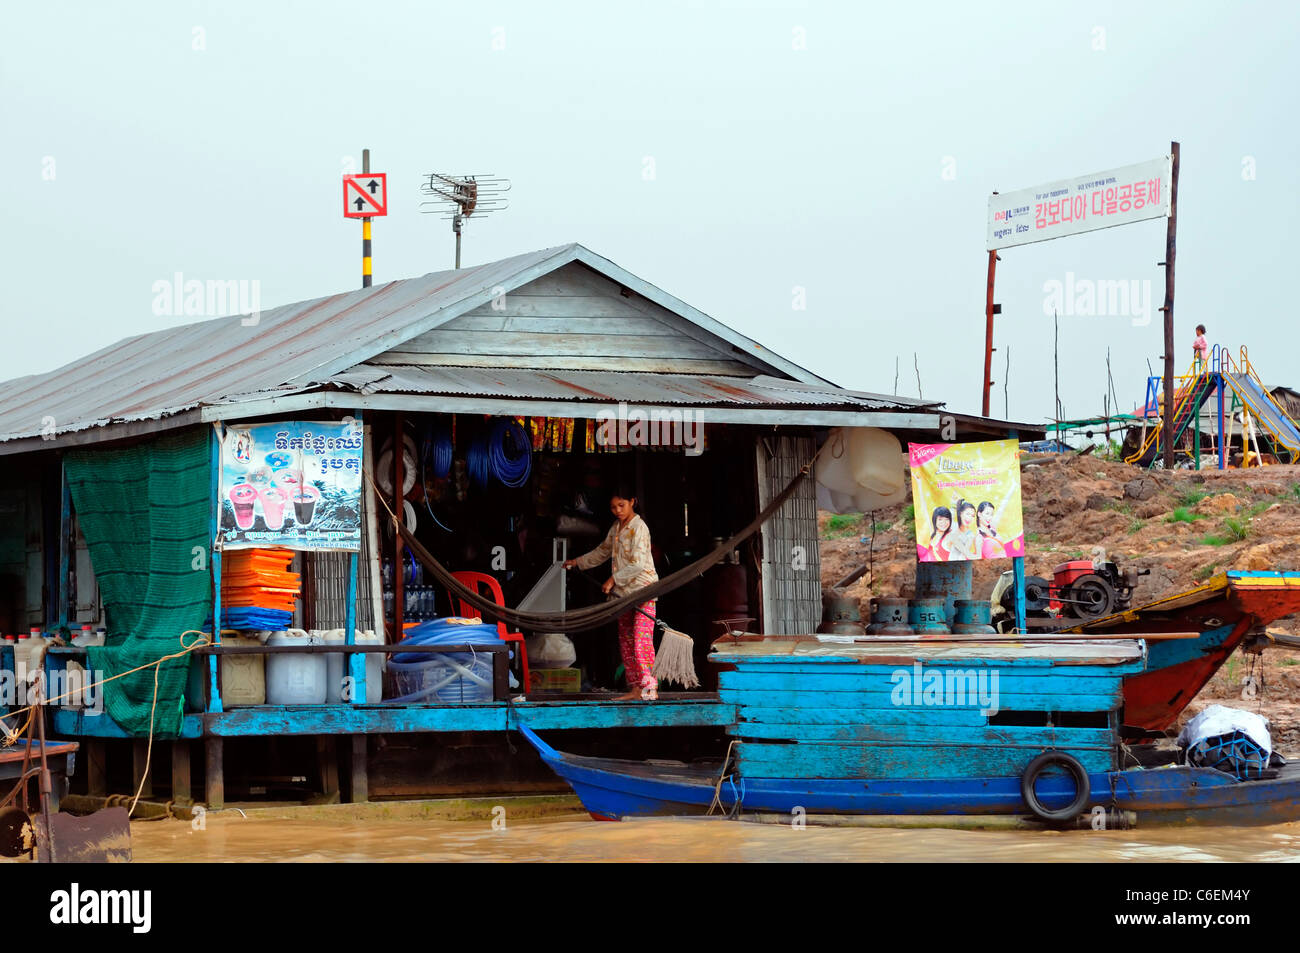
x: 1182, y: 525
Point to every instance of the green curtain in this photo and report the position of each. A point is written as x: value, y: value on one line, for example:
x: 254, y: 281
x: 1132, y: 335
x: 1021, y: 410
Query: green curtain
x: 145, y: 512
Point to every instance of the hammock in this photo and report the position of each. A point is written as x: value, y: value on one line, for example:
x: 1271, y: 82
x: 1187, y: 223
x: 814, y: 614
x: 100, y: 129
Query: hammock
x: 592, y: 617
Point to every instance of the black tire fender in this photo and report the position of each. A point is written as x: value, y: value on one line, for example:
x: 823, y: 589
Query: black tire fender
x: 1076, y: 769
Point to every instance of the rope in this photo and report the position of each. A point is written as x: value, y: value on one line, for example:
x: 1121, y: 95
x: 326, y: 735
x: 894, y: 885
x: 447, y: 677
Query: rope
x: 716, y: 803
x: 11, y: 737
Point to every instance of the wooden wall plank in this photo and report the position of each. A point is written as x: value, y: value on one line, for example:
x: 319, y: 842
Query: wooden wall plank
x: 829, y: 760
x: 860, y: 716
x: 958, y: 679
x: 559, y: 345
x: 860, y: 701
x: 557, y: 310
x: 560, y: 363
x: 501, y: 323
x: 815, y: 667
x: 930, y: 734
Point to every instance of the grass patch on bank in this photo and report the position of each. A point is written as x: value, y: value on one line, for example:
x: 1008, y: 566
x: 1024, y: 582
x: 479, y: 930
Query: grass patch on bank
x: 1234, y: 531
x: 1190, y: 497
x: 841, y: 525
x: 1205, y: 572
x: 1184, y: 515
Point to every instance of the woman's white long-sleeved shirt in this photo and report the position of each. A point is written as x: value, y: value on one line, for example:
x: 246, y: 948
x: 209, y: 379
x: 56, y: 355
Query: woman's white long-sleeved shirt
x: 628, y: 547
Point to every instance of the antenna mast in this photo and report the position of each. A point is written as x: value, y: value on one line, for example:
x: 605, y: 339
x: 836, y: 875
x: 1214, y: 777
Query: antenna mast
x: 457, y: 197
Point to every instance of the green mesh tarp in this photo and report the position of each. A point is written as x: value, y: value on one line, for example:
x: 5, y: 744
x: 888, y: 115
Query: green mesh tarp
x: 145, y: 513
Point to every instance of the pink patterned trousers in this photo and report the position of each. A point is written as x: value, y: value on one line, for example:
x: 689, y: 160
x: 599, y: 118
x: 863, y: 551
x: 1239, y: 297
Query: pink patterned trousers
x: 636, y: 642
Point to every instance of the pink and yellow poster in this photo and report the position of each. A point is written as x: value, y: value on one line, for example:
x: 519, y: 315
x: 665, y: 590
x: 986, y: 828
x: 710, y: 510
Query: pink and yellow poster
x: 967, y: 500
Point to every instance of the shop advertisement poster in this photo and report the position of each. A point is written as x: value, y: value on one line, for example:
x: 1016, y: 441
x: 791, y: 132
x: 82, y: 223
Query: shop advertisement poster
x: 967, y: 500
x: 294, y: 484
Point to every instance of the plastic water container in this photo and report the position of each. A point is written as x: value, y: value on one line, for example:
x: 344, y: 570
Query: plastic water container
x: 338, y: 666
x: 445, y: 677
x: 293, y: 679
x: 335, y: 664
x: 75, y: 686
x: 29, y: 657
x: 243, y: 677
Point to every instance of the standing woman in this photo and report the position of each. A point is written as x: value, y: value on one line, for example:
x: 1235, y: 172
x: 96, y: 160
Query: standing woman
x: 627, y: 546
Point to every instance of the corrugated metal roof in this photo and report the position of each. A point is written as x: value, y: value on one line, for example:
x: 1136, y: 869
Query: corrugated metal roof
x: 607, y: 386
x: 165, y: 372
x: 292, y: 348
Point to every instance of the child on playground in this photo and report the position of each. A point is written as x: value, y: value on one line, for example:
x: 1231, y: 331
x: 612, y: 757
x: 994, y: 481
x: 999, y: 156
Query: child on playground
x: 1200, y: 347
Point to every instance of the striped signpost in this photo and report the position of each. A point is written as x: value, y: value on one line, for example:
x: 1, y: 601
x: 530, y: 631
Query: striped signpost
x: 365, y: 196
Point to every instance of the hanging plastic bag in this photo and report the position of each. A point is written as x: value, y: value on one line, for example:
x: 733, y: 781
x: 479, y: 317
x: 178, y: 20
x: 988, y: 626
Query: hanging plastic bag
x: 551, y: 650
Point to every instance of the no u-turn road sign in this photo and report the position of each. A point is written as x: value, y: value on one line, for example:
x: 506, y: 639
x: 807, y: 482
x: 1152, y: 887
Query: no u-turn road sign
x: 365, y: 195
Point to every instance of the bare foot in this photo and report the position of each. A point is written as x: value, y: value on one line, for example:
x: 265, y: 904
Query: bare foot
x: 634, y: 696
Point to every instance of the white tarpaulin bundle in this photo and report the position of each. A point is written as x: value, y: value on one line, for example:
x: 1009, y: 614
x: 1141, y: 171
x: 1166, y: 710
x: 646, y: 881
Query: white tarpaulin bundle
x: 1219, y: 720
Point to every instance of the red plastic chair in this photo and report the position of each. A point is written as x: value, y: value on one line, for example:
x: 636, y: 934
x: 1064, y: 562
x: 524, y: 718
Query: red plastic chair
x: 480, y: 581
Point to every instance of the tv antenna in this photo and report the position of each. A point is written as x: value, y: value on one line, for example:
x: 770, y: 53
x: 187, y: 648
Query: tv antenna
x: 457, y: 197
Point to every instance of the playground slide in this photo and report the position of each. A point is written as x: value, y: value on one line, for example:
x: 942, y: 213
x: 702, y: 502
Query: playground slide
x: 1269, y: 416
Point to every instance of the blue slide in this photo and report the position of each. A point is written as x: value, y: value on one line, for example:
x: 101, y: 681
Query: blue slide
x: 1269, y: 416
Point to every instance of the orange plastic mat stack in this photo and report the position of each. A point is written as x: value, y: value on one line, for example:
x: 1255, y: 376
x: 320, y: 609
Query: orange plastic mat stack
x: 259, y: 578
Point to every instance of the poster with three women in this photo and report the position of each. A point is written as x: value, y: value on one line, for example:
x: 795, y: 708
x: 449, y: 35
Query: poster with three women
x: 967, y: 500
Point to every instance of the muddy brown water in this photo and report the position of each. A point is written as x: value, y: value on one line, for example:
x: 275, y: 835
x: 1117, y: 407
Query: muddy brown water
x: 228, y: 837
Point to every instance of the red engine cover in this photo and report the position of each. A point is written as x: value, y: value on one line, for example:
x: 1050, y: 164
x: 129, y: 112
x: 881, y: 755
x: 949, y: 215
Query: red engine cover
x: 1066, y: 573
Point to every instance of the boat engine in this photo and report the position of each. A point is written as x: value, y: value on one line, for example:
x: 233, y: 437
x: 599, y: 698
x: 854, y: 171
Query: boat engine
x: 1078, y: 589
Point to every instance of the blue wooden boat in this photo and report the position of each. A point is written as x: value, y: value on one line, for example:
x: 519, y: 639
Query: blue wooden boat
x: 929, y: 729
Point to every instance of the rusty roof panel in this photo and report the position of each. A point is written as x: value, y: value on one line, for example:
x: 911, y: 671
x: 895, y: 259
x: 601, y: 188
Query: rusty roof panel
x: 610, y: 386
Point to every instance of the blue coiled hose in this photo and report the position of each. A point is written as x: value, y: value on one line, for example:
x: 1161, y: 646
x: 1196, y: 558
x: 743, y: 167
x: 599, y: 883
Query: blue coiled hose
x: 491, y: 455
x: 461, y: 674
x: 442, y: 452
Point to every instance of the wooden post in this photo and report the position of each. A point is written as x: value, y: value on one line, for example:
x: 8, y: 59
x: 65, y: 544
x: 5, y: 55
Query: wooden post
x: 1171, y: 248
x: 181, y: 779
x: 214, y: 777
x: 360, y: 770
x: 399, y: 449
x: 327, y: 759
x: 988, y: 331
x: 1018, y: 568
x: 65, y: 534
x: 96, y: 768
x: 214, y: 688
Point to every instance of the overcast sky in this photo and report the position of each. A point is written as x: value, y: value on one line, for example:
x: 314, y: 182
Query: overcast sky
x: 742, y: 156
